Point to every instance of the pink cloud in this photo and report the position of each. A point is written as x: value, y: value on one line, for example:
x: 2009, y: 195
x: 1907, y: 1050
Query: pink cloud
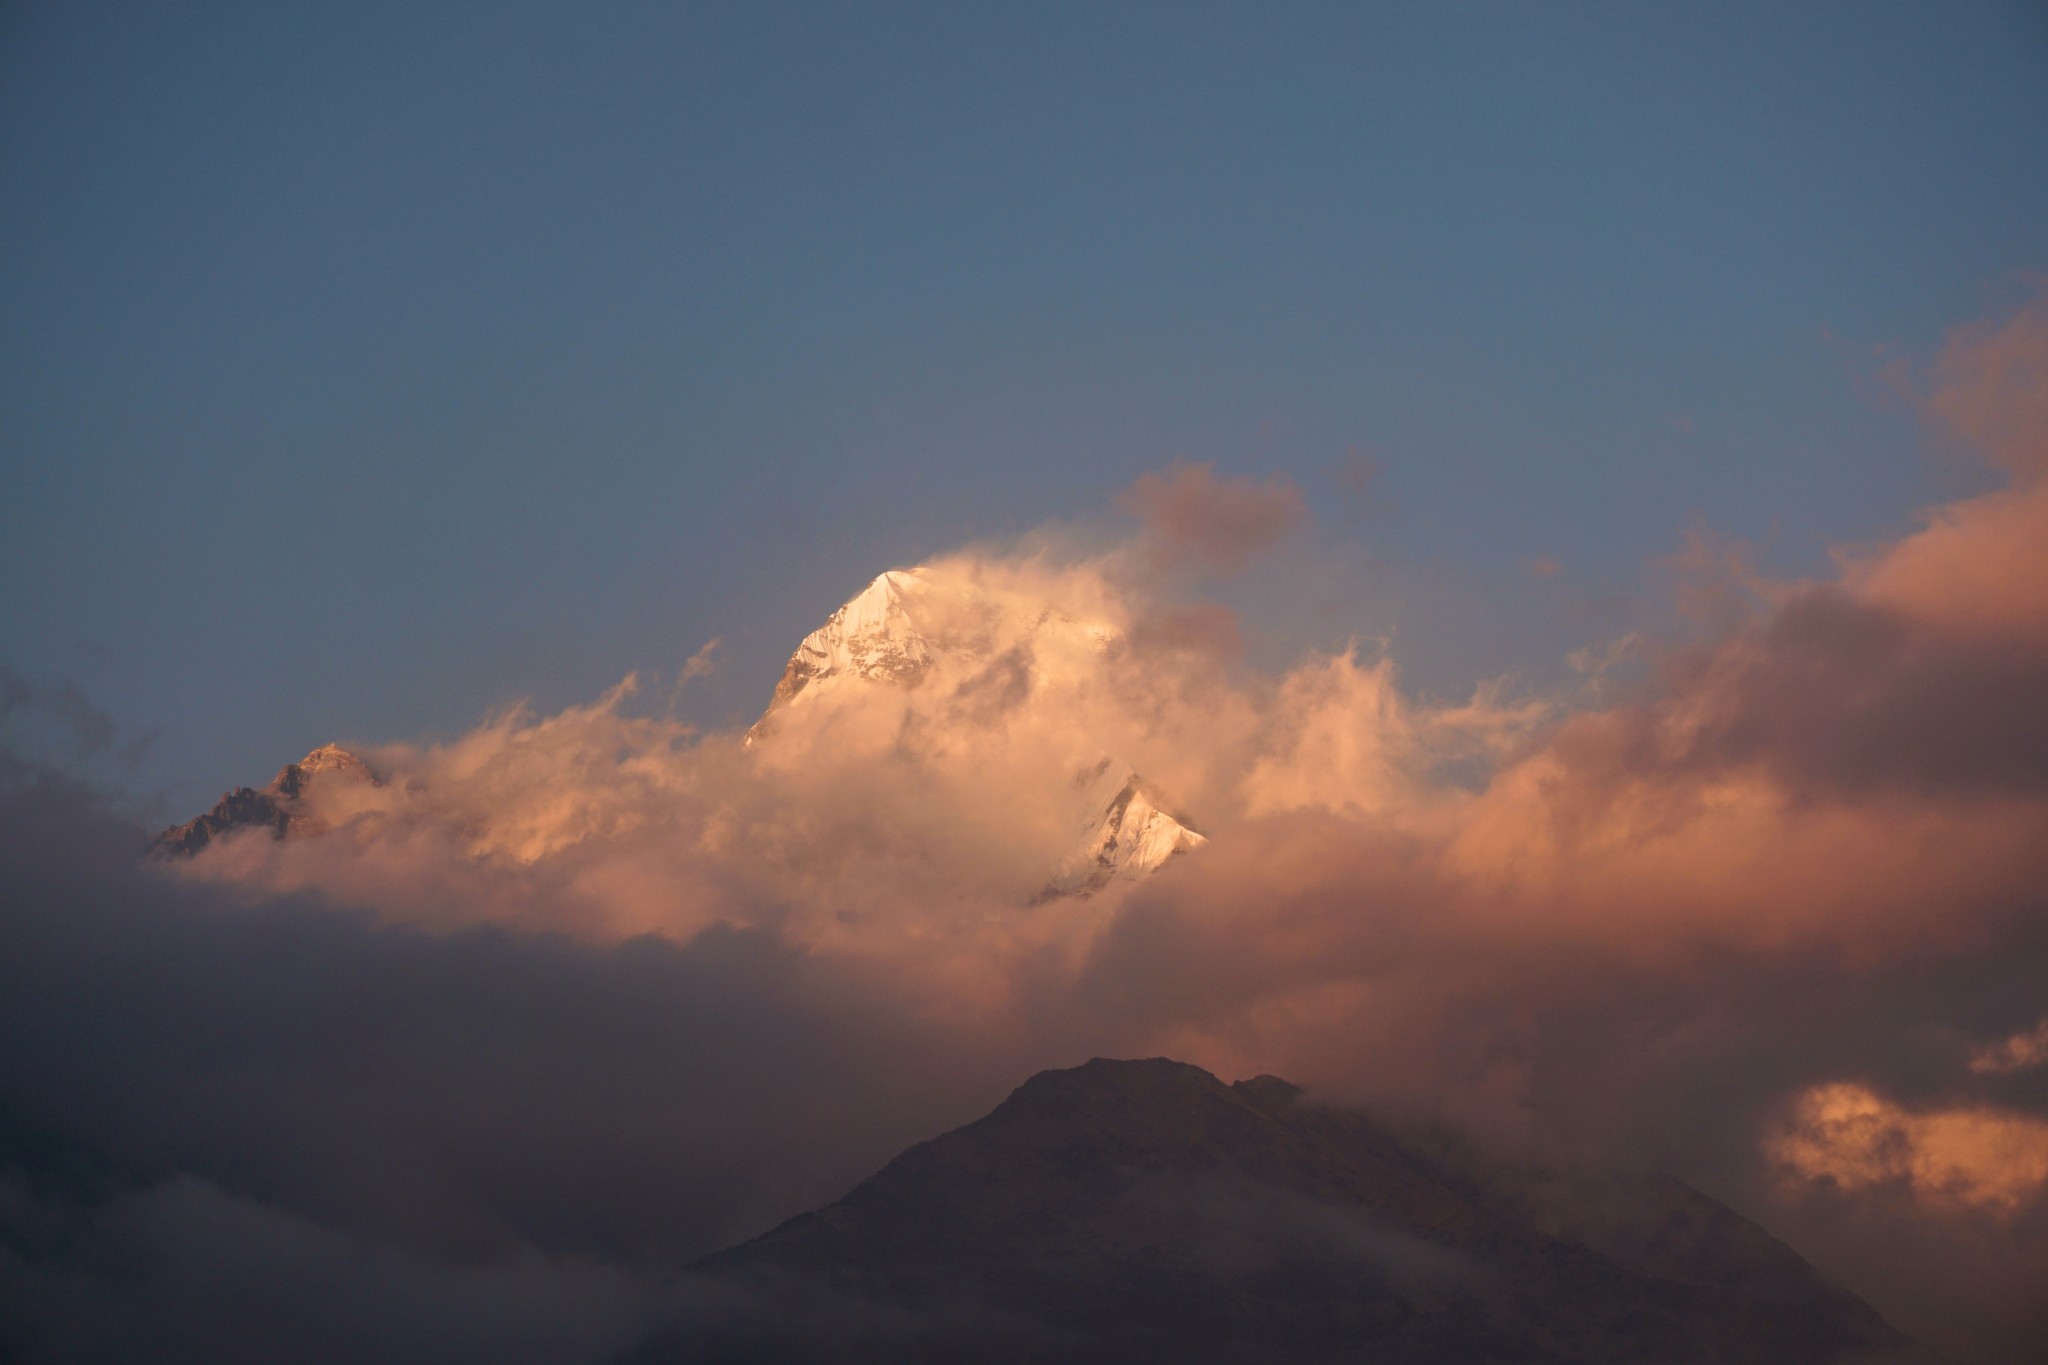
x: 1968, y: 1157
x: 1193, y: 516
x: 1798, y: 853
x: 1991, y: 389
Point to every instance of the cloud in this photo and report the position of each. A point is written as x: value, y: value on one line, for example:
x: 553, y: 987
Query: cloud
x: 1980, y: 565
x: 211, y: 1276
x: 54, y: 720
x: 1833, y: 691
x: 260, y: 1127
x: 1596, y: 664
x: 1969, y: 1157
x: 1770, y: 912
x: 1203, y: 627
x: 2022, y: 1050
x: 1808, y: 848
x: 1991, y: 389
x: 702, y: 664
x: 867, y: 818
x: 1190, y: 515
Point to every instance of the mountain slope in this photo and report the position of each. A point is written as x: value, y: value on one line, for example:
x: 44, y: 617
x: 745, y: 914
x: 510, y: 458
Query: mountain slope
x: 933, y: 671
x: 1124, y: 832
x: 276, y: 807
x: 871, y: 638
x: 1136, y: 1211
x: 913, y: 627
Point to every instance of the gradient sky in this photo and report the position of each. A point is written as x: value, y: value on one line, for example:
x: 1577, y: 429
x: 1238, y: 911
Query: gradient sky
x: 370, y: 366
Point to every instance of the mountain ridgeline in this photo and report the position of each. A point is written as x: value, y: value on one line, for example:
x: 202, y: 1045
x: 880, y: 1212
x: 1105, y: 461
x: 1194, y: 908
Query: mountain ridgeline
x: 910, y: 636
x: 276, y: 807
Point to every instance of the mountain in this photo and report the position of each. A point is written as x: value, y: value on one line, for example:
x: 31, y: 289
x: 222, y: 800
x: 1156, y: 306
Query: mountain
x: 1124, y: 832
x: 278, y: 807
x: 919, y: 660
x: 1145, y: 1211
x: 909, y: 626
x: 871, y: 638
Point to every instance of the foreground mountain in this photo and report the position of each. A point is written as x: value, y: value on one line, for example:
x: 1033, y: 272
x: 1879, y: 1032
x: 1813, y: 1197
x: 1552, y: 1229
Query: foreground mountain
x: 1145, y: 1211
x: 278, y: 807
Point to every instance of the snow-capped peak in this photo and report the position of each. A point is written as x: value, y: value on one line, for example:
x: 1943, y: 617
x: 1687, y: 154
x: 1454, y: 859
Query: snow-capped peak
x: 1125, y: 832
x: 873, y: 637
x: 1011, y: 695
x: 975, y: 651
x: 328, y: 758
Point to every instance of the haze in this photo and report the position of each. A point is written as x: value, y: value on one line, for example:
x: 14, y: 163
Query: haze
x: 1557, y: 497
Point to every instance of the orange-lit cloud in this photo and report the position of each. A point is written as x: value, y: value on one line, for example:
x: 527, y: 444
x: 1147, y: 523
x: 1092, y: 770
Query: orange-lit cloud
x: 1809, y: 842
x: 1975, y: 1157
x: 1991, y: 389
x: 2028, y: 1048
x: 1981, y: 565
x: 1859, y: 763
x: 702, y: 664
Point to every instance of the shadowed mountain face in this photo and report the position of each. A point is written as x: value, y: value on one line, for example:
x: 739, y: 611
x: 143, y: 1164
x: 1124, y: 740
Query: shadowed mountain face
x: 275, y: 807
x: 1144, y: 1210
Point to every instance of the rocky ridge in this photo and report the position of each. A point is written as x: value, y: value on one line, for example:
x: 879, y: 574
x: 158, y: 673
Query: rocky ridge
x: 278, y: 806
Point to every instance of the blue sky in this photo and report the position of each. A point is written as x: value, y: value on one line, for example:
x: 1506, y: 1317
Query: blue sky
x: 370, y: 366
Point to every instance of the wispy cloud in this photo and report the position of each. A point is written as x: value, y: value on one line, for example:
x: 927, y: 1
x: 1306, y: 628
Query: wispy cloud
x: 1190, y: 514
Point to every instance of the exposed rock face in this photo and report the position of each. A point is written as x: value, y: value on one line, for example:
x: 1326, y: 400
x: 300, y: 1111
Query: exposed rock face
x: 1144, y: 1211
x: 871, y: 638
x: 294, y: 778
x: 278, y: 807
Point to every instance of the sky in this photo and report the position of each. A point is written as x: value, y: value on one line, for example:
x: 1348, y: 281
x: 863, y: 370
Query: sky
x: 372, y: 368
x: 1556, y: 496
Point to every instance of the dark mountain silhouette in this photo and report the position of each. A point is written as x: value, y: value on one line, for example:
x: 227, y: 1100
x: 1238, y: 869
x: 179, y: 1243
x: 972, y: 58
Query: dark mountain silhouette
x: 1143, y: 1210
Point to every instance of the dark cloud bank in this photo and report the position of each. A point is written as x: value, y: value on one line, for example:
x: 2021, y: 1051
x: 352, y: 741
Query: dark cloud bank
x: 274, y: 1130
x: 251, y: 1130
